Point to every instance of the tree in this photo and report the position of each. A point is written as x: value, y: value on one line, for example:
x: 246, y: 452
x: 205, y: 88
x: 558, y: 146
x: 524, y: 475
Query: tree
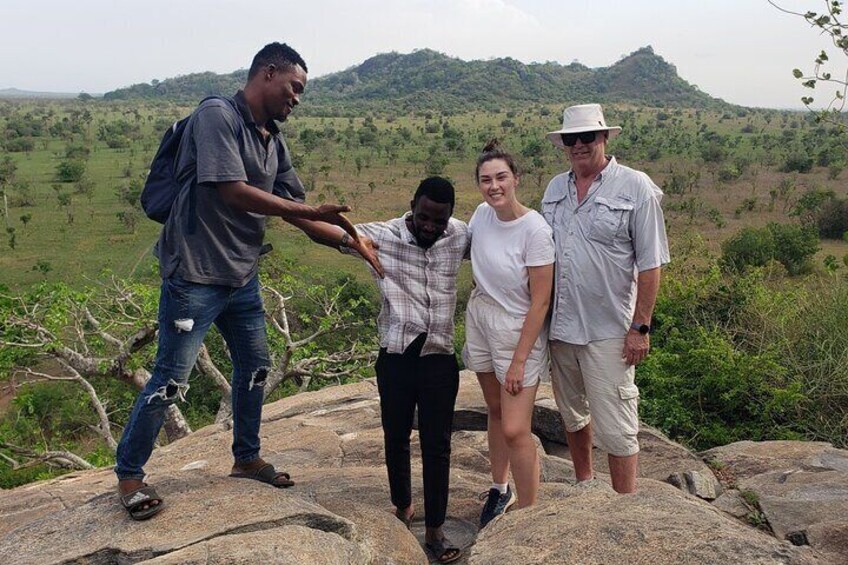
x: 25, y: 219
x: 70, y: 170
x: 832, y: 25
x: 7, y: 175
x: 101, y: 335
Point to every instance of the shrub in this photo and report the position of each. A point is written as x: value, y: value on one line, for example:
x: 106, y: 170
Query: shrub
x: 750, y: 247
x: 20, y: 145
x: 797, y: 162
x: 832, y: 218
x: 808, y: 205
x: 70, y: 170
x: 729, y: 173
x: 702, y: 388
x: 794, y: 246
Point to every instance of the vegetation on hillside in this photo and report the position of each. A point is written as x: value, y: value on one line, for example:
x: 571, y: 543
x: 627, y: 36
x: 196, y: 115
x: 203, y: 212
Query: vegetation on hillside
x: 428, y: 80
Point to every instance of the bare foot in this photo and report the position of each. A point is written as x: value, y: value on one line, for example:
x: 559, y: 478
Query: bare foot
x: 251, y: 467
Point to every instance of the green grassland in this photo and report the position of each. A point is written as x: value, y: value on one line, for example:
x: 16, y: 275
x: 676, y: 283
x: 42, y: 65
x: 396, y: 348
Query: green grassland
x: 721, y: 170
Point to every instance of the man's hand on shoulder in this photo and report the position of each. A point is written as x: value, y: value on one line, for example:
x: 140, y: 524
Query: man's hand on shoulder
x: 367, y: 248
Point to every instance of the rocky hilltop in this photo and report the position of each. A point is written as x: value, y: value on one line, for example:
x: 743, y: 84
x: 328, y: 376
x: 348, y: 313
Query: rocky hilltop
x: 686, y: 511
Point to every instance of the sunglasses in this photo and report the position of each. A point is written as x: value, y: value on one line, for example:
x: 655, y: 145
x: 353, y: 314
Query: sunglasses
x: 587, y: 137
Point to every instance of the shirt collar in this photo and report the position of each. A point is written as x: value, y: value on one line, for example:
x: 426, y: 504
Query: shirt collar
x: 609, y: 170
x: 247, y: 115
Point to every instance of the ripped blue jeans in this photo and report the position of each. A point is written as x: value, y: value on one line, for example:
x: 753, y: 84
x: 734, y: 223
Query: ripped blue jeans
x: 186, y: 312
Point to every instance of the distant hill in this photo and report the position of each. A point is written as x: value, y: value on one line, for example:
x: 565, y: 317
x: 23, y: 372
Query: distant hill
x: 16, y: 93
x: 427, y: 79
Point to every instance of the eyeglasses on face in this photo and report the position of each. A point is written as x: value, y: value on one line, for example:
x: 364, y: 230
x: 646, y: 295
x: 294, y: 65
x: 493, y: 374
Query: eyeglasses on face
x: 587, y: 137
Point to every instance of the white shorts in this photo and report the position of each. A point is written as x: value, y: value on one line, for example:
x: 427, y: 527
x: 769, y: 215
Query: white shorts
x: 592, y: 381
x: 491, y: 335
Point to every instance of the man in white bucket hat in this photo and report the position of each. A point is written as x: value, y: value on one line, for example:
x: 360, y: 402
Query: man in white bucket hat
x: 611, y: 244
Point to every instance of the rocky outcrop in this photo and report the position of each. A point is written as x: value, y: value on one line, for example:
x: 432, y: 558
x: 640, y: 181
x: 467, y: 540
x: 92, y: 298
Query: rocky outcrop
x: 797, y: 489
x: 339, y: 510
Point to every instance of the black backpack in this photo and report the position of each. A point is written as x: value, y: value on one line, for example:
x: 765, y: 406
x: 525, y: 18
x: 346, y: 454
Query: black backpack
x: 161, y: 187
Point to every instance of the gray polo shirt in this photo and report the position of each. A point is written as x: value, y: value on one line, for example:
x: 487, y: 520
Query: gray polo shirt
x: 601, y: 244
x: 205, y: 240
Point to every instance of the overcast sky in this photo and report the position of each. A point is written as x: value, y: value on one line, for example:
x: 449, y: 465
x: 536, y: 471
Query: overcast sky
x: 740, y: 50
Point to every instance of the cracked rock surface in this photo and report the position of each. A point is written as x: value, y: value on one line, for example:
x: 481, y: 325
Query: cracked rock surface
x: 339, y: 511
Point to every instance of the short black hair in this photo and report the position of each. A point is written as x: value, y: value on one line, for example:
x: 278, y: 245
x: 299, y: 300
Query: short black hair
x: 437, y: 189
x: 278, y: 54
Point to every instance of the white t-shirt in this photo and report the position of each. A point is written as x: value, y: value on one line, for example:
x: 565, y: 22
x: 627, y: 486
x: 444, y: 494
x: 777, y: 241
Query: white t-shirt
x: 502, y: 251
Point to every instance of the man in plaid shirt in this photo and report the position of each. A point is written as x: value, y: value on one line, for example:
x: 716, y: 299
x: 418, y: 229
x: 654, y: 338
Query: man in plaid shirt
x: 420, y: 253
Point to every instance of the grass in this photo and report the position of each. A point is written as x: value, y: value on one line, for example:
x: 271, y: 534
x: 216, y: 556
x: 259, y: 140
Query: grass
x: 80, y: 241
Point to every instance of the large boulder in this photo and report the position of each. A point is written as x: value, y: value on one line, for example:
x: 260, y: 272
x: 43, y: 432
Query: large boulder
x: 591, y: 524
x: 339, y: 510
x: 799, y: 489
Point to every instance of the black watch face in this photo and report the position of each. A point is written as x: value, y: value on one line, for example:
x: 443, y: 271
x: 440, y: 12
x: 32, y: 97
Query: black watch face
x: 644, y: 329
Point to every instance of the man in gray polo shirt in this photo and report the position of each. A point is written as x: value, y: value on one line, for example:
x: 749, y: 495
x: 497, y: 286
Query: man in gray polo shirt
x: 233, y: 167
x: 610, y: 246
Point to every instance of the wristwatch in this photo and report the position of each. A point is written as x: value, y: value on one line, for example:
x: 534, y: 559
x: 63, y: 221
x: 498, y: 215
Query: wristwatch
x: 643, y: 329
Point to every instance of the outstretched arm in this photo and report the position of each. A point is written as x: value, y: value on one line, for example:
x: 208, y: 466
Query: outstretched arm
x: 541, y: 281
x: 247, y: 198
x: 333, y: 236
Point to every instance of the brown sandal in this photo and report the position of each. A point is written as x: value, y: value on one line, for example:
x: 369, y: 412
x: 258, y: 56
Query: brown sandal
x: 267, y: 474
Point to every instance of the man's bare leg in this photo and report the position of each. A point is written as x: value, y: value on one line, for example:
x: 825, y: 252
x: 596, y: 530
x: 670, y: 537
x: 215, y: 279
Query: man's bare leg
x: 623, y: 472
x: 580, y: 447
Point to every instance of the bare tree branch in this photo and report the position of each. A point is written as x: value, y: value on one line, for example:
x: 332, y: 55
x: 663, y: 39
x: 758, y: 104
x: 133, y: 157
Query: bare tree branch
x: 104, y: 428
x: 277, y: 316
x: 95, y: 323
x: 207, y: 367
x: 61, y: 458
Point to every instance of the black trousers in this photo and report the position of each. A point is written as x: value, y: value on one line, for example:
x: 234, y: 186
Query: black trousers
x: 430, y: 382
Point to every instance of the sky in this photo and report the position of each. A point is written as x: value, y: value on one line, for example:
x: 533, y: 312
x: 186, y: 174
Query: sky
x: 742, y: 51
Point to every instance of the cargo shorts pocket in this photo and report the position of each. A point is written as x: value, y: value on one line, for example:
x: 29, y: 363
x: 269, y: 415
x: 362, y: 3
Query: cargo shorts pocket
x: 629, y: 395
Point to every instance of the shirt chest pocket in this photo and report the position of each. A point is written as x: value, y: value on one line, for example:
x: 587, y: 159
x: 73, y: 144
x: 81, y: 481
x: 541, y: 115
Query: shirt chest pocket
x: 610, y: 220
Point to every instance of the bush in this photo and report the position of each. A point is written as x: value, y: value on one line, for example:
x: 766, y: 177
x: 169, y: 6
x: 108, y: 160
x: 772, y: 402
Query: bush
x: 70, y: 170
x: 797, y: 162
x: 832, y: 218
x: 710, y: 379
x: 750, y: 247
x: 729, y: 173
x: 702, y: 388
x: 20, y: 145
x: 794, y: 246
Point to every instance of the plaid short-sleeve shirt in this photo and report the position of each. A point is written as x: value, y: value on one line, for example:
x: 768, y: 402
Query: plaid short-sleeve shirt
x: 419, y: 289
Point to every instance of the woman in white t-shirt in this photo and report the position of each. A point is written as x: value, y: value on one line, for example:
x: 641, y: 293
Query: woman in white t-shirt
x: 512, y: 256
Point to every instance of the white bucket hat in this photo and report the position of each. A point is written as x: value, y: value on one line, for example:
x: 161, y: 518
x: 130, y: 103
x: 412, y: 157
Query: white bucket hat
x: 584, y: 117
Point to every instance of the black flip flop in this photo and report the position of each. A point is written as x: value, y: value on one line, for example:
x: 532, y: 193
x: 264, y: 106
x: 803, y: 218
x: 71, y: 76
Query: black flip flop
x: 267, y: 474
x: 133, y: 502
x: 442, y: 552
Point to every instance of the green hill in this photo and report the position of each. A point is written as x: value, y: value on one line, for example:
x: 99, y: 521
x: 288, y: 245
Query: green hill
x: 428, y: 80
